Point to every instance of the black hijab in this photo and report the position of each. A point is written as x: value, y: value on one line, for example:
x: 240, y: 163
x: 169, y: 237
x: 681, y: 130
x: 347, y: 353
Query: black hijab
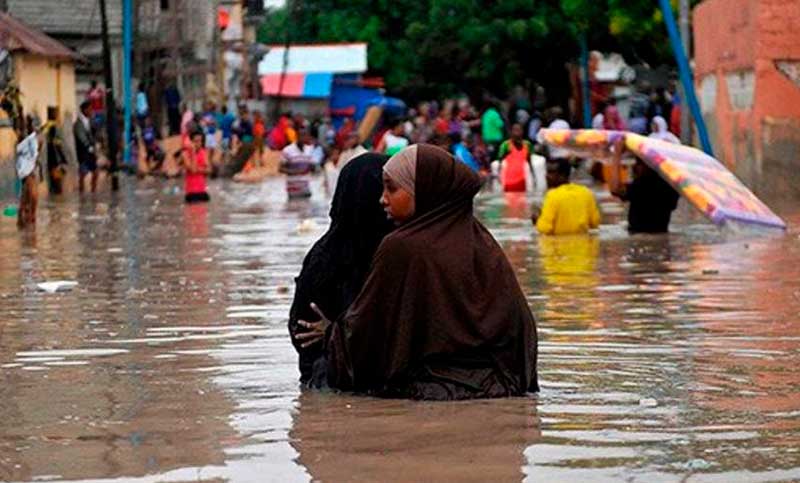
x: 335, y: 268
x: 441, y: 315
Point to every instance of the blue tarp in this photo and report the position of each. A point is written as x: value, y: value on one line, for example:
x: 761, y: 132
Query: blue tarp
x: 346, y: 96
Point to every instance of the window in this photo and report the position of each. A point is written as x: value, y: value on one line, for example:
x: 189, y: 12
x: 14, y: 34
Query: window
x: 164, y: 4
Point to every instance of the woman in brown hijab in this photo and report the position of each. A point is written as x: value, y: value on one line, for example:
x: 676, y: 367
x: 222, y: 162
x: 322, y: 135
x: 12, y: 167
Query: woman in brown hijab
x: 441, y: 315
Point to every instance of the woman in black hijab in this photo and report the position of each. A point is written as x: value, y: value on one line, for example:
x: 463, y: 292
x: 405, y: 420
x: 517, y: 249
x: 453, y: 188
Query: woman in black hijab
x: 335, y: 268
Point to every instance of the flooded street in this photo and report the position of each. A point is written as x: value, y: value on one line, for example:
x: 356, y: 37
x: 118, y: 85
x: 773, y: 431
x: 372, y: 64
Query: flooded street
x: 662, y: 358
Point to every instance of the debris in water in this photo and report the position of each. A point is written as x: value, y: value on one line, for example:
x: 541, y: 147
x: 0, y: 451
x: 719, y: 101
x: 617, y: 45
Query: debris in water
x: 57, y: 286
x: 697, y: 464
x: 10, y: 211
x: 306, y: 226
x: 283, y: 289
x: 648, y: 402
x: 710, y: 271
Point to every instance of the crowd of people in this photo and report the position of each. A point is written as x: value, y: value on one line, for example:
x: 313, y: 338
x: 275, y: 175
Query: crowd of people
x: 494, y: 140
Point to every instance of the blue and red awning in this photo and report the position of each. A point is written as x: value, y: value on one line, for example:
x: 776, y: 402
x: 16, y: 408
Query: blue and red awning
x: 299, y: 84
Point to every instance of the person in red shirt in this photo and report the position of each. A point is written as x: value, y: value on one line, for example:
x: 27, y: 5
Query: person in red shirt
x: 97, y: 103
x: 611, y: 117
x: 197, y: 169
x: 259, y: 131
x: 515, y: 154
x: 348, y: 126
x: 442, y: 124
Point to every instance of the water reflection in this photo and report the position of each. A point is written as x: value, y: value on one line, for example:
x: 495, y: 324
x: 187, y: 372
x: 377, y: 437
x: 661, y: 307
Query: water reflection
x: 340, y: 437
x: 662, y: 358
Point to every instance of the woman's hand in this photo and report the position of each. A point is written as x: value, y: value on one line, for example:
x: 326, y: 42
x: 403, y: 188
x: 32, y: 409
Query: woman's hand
x: 316, y: 330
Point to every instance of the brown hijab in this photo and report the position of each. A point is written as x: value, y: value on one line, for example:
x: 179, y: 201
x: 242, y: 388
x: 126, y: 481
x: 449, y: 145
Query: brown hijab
x: 441, y: 315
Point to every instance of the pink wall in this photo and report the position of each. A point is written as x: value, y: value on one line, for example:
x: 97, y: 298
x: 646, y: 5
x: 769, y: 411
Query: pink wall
x: 752, y: 108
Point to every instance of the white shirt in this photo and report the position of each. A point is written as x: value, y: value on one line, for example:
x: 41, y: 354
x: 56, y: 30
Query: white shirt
x: 349, y: 154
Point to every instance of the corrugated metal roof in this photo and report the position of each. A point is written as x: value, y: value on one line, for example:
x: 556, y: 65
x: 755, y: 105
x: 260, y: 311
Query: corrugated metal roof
x: 15, y: 35
x: 74, y: 17
x: 332, y: 58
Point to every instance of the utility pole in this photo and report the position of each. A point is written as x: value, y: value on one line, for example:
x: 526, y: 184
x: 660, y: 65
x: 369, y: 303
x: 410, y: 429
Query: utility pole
x: 293, y: 11
x: 111, y: 110
x: 686, y: 120
x: 127, y: 41
x: 177, y: 44
x: 685, y: 71
x: 584, y: 78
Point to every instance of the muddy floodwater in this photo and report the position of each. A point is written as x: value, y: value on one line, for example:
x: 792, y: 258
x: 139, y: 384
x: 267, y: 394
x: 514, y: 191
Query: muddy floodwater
x: 662, y: 358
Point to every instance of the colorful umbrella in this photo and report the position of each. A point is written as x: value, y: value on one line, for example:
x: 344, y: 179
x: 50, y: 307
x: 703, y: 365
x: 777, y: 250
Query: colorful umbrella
x: 701, y: 179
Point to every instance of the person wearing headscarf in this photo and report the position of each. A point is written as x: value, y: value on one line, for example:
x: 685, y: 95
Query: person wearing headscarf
x: 441, y: 315
x: 660, y: 131
x: 335, y: 268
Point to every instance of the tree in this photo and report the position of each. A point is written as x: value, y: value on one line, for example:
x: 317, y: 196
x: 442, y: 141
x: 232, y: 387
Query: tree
x: 434, y: 48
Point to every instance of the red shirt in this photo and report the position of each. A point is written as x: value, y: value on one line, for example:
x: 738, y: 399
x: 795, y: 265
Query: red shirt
x: 196, y: 182
x: 97, y: 99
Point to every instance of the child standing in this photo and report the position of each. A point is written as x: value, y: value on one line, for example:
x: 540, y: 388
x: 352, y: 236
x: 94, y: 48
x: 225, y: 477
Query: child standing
x: 197, y: 168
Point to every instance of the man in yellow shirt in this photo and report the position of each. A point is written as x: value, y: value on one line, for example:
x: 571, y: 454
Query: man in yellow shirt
x: 568, y: 208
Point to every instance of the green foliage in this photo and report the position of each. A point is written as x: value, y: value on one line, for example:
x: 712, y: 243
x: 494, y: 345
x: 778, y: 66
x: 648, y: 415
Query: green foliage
x: 441, y: 47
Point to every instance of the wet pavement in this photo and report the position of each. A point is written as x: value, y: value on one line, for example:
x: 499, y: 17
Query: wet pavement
x: 662, y: 358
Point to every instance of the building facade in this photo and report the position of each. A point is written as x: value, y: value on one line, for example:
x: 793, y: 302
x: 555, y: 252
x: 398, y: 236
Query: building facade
x: 175, y: 42
x: 77, y: 24
x: 44, y: 71
x: 747, y: 56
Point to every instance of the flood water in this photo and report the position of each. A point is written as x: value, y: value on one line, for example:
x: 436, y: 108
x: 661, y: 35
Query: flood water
x: 662, y: 358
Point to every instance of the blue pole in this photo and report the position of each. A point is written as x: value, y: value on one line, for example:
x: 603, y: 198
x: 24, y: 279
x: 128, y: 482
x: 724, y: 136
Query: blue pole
x: 127, y: 44
x: 587, y: 107
x: 686, y: 75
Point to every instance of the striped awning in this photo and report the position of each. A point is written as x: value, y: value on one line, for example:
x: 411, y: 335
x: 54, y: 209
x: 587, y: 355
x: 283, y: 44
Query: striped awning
x: 315, y: 85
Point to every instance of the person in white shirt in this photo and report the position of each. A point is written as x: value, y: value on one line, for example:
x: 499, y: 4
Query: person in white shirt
x: 352, y: 148
x: 298, y: 161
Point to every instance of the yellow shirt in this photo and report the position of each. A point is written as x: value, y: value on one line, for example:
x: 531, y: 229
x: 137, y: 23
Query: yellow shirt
x: 567, y: 210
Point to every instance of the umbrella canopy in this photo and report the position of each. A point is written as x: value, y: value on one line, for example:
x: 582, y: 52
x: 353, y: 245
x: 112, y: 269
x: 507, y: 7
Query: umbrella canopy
x: 698, y: 177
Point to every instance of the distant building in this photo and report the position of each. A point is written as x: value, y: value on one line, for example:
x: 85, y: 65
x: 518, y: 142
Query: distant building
x: 76, y: 24
x: 747, y: 58
x: 175, y: 42
x: 44, y: 71
x: 42, y: 67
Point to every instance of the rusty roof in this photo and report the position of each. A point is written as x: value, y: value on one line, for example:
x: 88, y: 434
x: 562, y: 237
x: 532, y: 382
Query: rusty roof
x: 15, y: 35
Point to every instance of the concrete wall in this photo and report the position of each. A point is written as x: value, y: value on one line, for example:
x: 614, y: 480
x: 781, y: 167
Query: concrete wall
x: 45, y: 83
x: 8, y: 143
x: 747, y: 57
